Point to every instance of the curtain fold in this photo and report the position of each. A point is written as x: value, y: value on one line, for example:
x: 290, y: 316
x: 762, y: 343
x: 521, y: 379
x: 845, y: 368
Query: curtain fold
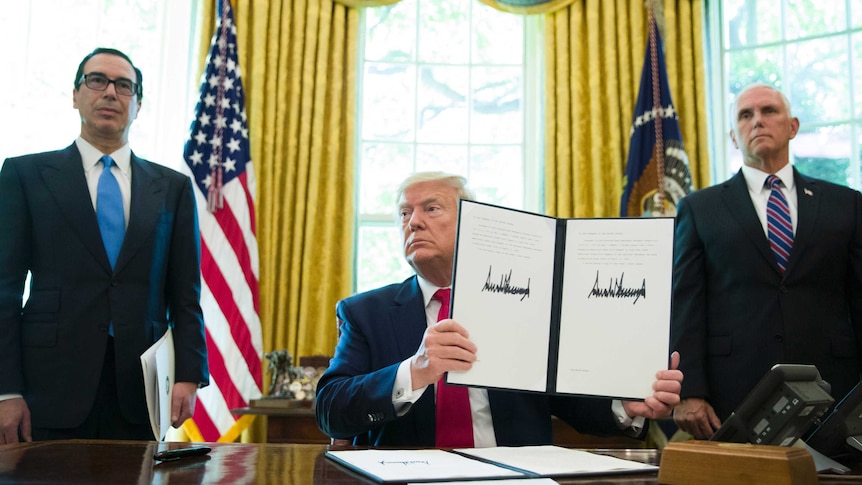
x: 299, y: 67
x: 594, y: 56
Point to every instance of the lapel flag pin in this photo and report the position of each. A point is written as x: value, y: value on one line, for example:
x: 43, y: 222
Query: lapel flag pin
x: 808, y: 192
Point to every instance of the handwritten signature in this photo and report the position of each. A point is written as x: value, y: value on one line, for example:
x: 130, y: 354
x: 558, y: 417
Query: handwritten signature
x: 405, y: 463
x: 616, y: 289
x: 505, y: 286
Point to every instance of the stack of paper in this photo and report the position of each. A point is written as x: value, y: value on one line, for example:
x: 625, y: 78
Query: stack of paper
x: 482, y: 463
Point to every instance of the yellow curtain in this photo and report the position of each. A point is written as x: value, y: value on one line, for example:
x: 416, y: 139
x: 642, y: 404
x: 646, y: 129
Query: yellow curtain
x: 594, y: 56
x: 299, y: 62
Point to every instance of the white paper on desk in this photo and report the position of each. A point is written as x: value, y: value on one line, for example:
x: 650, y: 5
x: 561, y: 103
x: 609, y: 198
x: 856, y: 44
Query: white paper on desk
x: 157, y: 363
x: 417, y: 465
x: 615, y: 314
x: 554, y: 461
x: 504, y: 278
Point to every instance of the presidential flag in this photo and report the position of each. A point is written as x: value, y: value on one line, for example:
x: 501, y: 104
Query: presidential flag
x: 218, y: 155
x: 657, y: 173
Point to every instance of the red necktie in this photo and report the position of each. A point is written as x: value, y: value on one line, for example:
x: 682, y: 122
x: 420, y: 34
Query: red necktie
x: 454, y: 421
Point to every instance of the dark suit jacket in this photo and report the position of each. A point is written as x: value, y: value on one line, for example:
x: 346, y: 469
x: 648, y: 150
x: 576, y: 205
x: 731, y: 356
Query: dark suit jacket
x: 52, y: 351
x: 383, y: 327
x: 735, y: 315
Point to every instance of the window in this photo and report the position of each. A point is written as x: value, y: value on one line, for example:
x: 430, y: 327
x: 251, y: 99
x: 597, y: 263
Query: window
x: 44, y: 42
x: 812, y: 51
x: 444, y: 85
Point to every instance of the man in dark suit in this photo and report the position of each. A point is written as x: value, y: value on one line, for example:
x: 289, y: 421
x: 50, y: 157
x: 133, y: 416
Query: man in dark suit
x: 736, y: 310
x: 70, y: 358
x: 380, y: 387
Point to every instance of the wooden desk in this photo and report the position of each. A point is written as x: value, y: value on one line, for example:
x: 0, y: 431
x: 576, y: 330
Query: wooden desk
x: 297, y: 425
x: 122, y: 462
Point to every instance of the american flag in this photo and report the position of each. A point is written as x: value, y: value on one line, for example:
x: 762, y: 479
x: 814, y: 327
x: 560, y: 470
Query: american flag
x: 218, y: 155
x: 657, y: 173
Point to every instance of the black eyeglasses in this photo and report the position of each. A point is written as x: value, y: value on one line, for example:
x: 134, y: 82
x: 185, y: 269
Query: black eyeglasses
x: 99, y: 82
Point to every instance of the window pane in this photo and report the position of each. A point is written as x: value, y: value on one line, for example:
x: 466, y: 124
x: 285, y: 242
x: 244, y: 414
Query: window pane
x: 443, y: 104
x: 823, y: 153
x: 806, y: 18
x: 497, y: 111
x: 385, y: 114
x: 390, y: 32
x: 446, y: 158
x: 500, y: 172
x: 857, y: 69
x: 380, y: 257
x: 856, y: 12
x: 444, y: 32
x: 754, y: 65
x: 384, y: 166
x: 819, y: 88
x: 497, y: 38
x: 752, y: 22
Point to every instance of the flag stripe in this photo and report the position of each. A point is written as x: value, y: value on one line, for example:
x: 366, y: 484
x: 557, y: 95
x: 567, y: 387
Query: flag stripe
x: 220, y: 333
x: 230, y: 394
x: 215, y: 280
x: 234, y: 234
x: 203, y: 422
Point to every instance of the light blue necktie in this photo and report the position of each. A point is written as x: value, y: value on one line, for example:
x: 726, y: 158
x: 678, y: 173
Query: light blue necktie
x: 109, y: 211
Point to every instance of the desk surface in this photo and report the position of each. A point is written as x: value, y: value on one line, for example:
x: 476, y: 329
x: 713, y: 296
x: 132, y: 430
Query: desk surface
x: 102, y: 462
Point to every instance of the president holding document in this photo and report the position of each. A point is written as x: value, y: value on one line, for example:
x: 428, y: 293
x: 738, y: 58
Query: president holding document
x: 382, y: 387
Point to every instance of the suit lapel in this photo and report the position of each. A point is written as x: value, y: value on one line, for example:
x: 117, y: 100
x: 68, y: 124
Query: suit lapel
x: 148, y: 197
x: 738, y: 202
x: 65, y: 181
x: 408, y: 323
x: 407, y: 317
x: 807, y: 203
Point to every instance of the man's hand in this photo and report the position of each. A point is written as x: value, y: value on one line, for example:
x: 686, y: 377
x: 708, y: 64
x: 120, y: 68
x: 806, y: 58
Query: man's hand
x: 183, y: 402
x: 14, y: 414
x: 696, y: 417
x: 445, y: 346
x: 665, y: 393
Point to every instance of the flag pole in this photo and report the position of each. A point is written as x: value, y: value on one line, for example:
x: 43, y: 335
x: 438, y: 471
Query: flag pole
x: 658, y: 110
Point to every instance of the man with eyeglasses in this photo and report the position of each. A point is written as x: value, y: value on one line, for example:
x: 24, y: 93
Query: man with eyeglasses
x: 111, y: 243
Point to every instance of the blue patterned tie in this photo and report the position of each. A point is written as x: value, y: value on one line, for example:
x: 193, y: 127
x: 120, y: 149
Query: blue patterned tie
x: 109, y: 211
x: 778, y: 224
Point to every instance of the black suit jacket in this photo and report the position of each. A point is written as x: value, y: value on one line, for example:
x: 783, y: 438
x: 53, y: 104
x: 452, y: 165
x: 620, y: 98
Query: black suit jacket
x: 735, y: 315
x: 383, y: 327
x: 52, y: 350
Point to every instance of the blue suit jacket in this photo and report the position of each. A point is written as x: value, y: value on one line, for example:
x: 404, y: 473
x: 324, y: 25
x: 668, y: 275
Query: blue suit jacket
x: 52, y: 350
x: 735, y: 315
x: 383, y: 327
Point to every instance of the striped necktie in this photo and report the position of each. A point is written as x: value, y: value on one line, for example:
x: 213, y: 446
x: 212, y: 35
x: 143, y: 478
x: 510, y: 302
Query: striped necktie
x: 778, y: 225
